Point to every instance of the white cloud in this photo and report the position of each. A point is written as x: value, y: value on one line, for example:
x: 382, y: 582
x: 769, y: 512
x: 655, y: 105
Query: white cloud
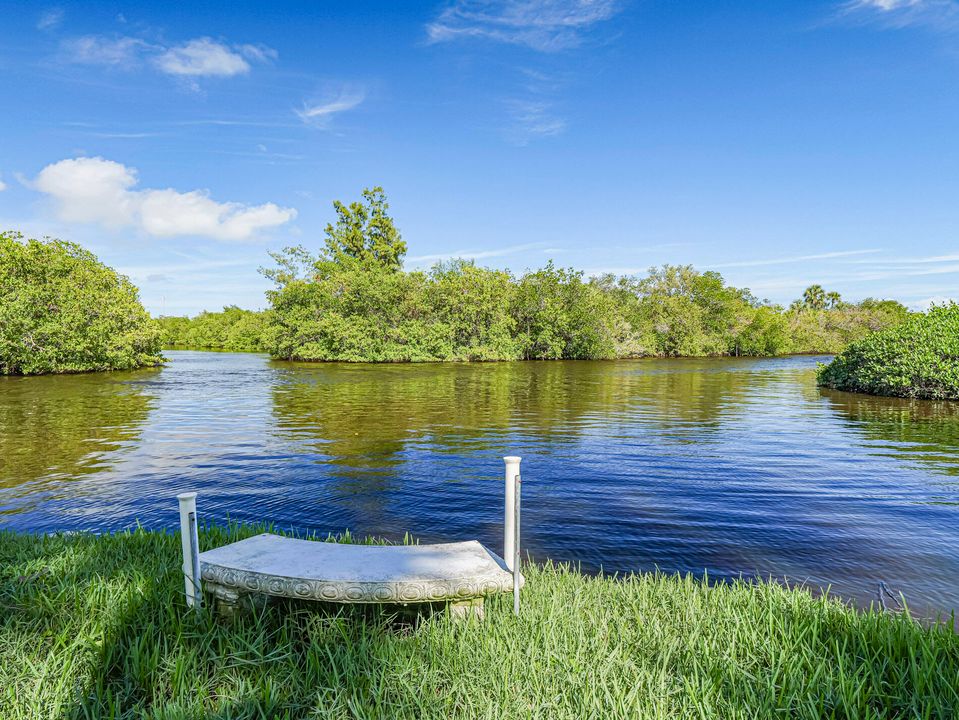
x: 544, y: 25
x: 319, y: 112
x: 168, y: 213
x: 90, y: 190
x: 3, y: 185
x: 199, y: 57
x: 98, y: 50
x: 95, y: 190
x: 202, y: 57
x: 50, y: 19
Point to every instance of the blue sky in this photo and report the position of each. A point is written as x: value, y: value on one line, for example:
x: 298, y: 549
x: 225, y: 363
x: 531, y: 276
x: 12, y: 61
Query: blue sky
x: 781, y: 143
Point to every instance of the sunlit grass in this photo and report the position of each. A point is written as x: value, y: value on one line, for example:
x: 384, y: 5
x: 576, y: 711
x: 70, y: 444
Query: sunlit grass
x: 94, y: 627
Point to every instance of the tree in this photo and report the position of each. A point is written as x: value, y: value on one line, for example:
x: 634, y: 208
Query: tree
x: 62, y: 310
x: 474, y: 304
x: 353, y: 302
x: 233, y: 329
x: 559, y: 316
x: 814, y: 297
x: 692, y: 313
x: 365, y: 233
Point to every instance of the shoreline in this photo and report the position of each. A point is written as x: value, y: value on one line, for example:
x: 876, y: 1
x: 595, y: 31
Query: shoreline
x: 96, y: 624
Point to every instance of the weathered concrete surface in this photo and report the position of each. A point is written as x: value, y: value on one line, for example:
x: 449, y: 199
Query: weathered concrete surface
x: 334, y: 572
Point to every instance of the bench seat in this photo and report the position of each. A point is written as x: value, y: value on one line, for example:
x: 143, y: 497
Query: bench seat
x: 270, y: 564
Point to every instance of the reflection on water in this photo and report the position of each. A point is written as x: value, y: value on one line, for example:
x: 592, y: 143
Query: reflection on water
x: 735, y: 466
x: 62, y: 427
x: 924, y: 430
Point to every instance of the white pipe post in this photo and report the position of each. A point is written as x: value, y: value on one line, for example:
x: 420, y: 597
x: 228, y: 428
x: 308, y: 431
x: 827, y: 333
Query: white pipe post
x: 517, y: 557
x: 190, y: 543
x: 509, y: 521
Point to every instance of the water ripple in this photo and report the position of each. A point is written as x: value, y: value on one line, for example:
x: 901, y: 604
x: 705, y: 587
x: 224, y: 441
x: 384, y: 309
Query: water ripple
x: 735, y: 467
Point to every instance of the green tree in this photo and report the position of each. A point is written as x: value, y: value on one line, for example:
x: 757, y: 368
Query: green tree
x: 766, y: 334
x: 61, y: 311
x: 692, y: 313
x: 232, y: 329
x: 558, y: 316
x: 352, y: 301
x: 474, y: 304
x: 814, y: 297
x: 364, y: 232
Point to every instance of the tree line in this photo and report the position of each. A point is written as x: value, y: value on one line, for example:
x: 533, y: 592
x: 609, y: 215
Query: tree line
x: 61, y: 310
x: 353, y: 301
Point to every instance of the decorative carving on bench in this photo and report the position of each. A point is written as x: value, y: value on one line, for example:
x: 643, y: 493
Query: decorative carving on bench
x: 270, y: 565
x: 392, y: 592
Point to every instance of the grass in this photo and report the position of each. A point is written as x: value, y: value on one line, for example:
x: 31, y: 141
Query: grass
x: 95, y: 627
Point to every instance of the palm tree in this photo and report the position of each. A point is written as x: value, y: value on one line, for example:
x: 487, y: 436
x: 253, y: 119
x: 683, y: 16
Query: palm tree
x: 814, y: 297
x: 833, y: 300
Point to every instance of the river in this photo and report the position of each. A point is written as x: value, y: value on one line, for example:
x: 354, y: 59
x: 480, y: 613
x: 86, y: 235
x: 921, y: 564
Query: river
x: 728, y: 466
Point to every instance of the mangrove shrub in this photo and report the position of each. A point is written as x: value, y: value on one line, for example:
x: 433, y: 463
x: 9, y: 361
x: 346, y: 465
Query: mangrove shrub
x: 353, y: 301
x: 63, y: 311
x: 233, y: 329
x: 917, y: 359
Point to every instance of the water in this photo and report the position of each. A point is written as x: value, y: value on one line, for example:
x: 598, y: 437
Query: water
x: 734, y: 466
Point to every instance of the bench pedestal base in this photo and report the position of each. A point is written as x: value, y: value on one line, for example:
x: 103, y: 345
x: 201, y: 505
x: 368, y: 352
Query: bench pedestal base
x: 226, y: 601
x: 465, y: 609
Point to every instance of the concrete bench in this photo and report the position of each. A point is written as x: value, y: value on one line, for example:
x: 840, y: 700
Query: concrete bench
x: 460, y: 573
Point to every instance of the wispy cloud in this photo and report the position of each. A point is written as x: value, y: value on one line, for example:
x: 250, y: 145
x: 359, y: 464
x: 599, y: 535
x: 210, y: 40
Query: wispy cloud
x: 257, y: 53
x: 227, y: 122
x: 888, y: 5
x: 95, y: 190
x: 124, y: 135
x: 943, y: 14
x: 50, y: 19
x: 922, y: 260
x: 532, y: 119
x: 543, y: 25
x: 320, y: 111
x: 480, y: 254
x: 197, y: 58
x: 794, y: 259
x: 3, y: 185
x: 924, y: 304
x: 119, y: 52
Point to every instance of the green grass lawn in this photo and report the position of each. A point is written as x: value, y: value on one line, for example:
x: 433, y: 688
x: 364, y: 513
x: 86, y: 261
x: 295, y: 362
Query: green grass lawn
x: 95, y: 627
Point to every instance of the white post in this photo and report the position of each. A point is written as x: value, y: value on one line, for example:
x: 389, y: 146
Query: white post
x: 190, y: 543
x: 517, y: 558
x: 509, y: 520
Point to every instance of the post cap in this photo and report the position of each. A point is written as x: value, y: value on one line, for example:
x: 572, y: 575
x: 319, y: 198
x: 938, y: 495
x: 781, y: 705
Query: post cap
x: 512, y: 459
x: 186, y: 496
